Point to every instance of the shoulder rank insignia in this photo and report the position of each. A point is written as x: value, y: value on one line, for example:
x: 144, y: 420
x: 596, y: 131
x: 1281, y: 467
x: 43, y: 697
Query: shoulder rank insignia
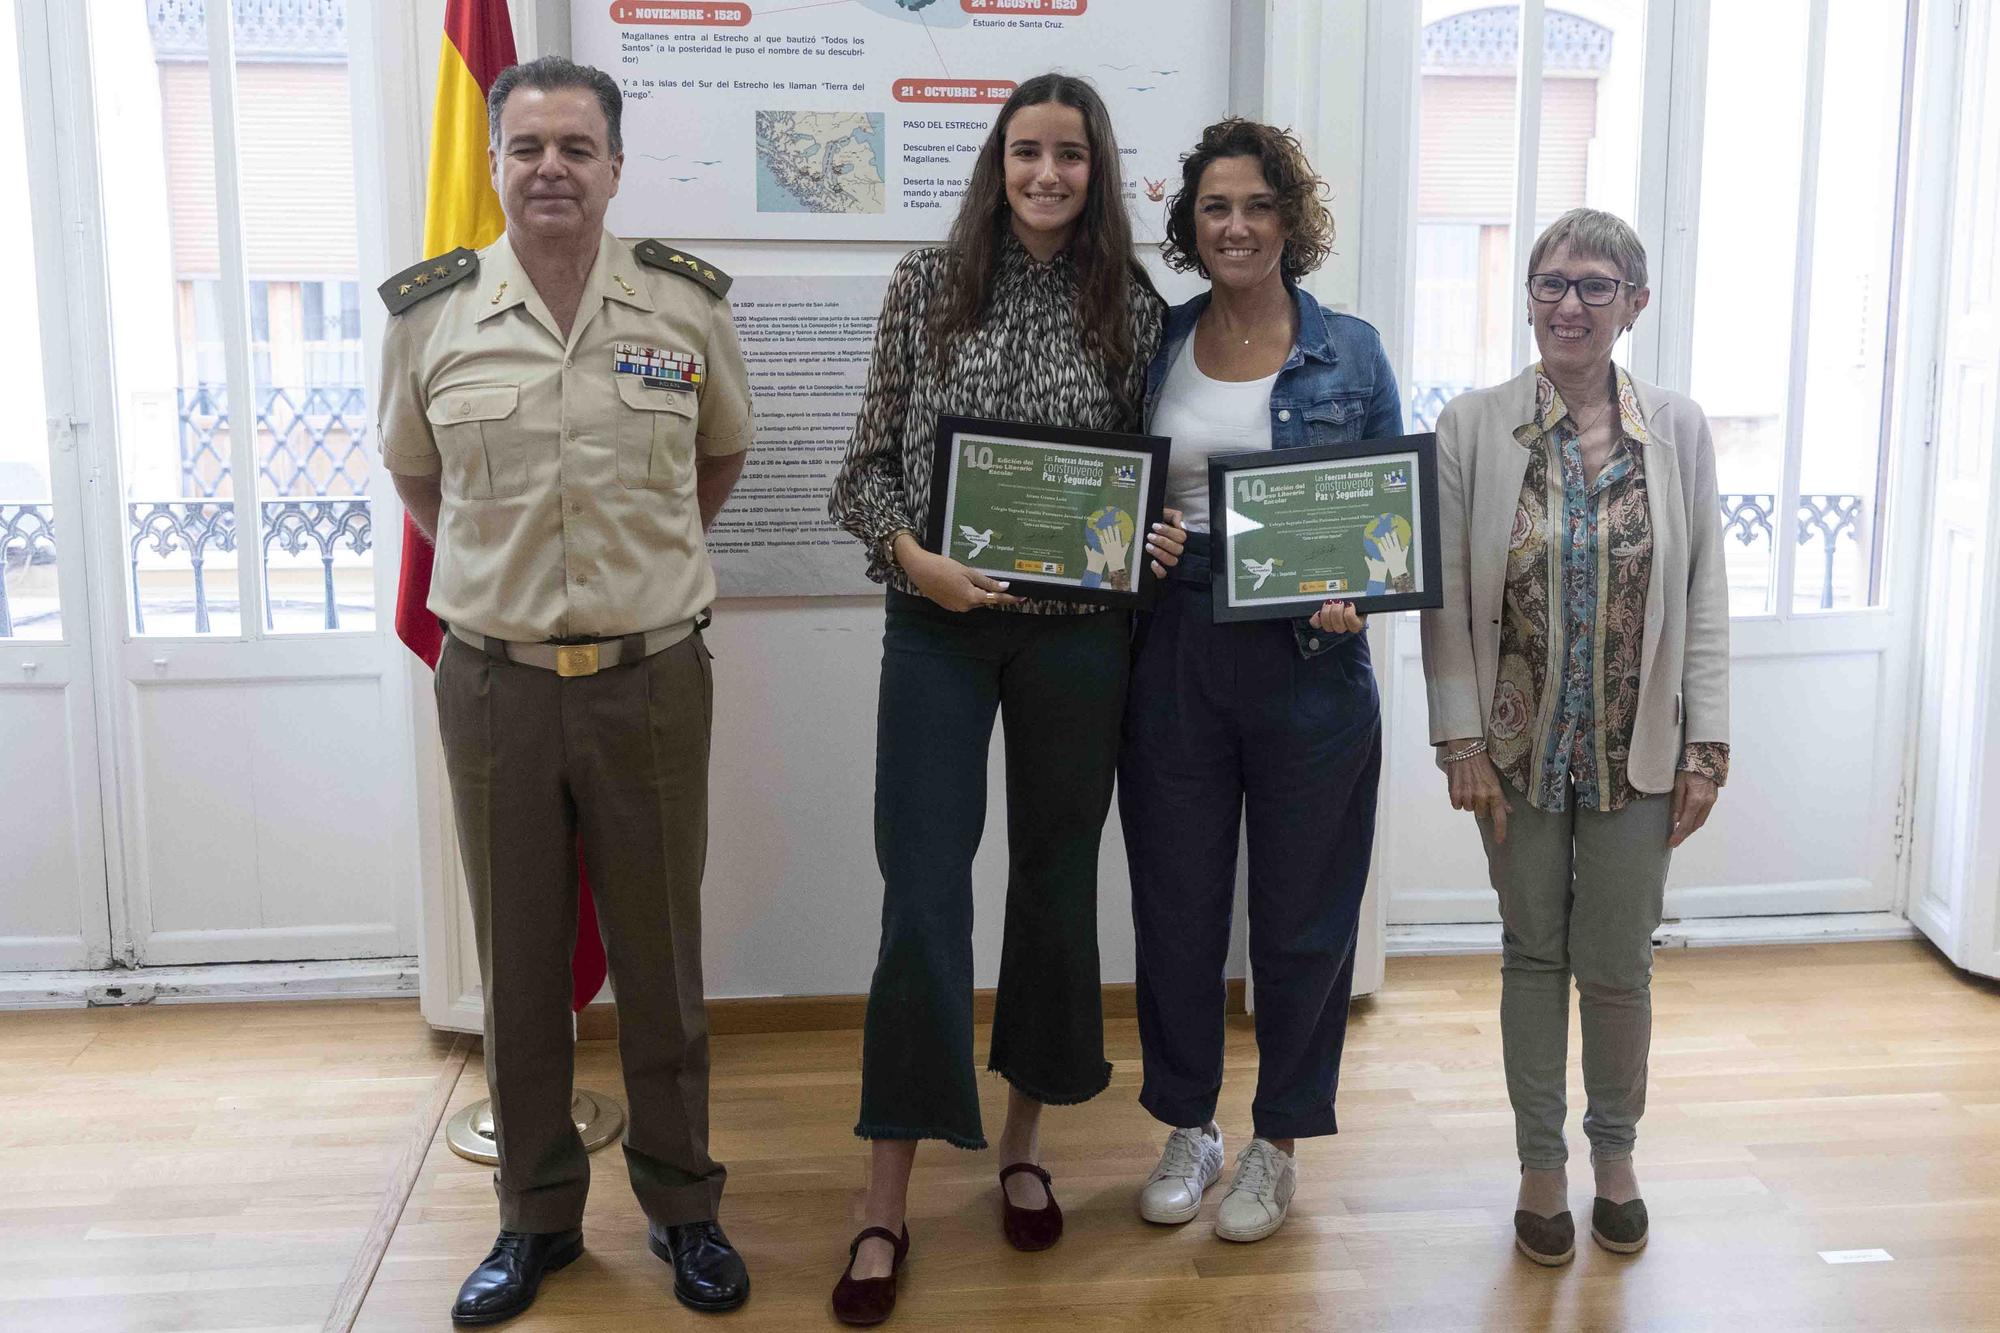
x: 413, y: 284
x: 658, y: 254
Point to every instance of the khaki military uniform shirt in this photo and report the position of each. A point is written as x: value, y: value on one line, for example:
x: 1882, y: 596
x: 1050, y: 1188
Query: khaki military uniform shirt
x: 569, y: 484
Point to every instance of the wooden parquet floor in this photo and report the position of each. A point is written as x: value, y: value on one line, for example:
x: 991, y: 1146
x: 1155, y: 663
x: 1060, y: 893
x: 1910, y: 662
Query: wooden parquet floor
x: 219, y: 1167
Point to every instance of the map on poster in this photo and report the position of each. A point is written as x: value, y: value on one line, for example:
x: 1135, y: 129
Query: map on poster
x: 861, y: 119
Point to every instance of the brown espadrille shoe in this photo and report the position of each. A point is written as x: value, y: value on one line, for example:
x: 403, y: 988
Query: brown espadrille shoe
x: 1619, y: 1227
x: 1549, y: 1241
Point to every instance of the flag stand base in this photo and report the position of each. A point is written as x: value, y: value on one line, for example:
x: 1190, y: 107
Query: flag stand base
x: 599, y: 1119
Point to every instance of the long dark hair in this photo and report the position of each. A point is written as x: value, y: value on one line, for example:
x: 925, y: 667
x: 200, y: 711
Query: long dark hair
x: 1100, y: 247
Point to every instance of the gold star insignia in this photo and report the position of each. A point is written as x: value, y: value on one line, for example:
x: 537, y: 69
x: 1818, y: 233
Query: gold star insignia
x: 440, y: 272
x: 709, y: 273
x: 678, y: 260
x: 421, y: 279
x: 404, y: 290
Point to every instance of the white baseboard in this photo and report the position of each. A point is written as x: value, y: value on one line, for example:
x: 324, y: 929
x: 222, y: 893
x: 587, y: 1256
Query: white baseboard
x: 1707, y: 933
x: 353, y: 979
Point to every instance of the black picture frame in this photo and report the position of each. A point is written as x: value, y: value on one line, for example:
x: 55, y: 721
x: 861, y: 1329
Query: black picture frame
x: 1427, y: 542
x: 1146, y: 452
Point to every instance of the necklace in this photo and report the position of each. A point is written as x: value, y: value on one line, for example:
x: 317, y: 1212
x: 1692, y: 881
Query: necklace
x: 1216, y: 329
x: 1596, y: 421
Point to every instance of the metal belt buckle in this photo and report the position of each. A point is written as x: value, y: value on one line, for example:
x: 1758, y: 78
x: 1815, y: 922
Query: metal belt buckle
x: 576, y: 659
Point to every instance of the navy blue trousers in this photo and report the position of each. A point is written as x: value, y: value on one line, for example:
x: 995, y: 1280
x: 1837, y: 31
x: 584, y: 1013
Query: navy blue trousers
x: 1226, y: 723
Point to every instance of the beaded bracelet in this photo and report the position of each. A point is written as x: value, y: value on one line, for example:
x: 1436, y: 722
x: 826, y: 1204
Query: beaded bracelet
x: 1475, y: 747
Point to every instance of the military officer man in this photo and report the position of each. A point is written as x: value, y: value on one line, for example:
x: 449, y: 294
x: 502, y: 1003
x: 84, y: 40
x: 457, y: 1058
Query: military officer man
x: 565, y: 413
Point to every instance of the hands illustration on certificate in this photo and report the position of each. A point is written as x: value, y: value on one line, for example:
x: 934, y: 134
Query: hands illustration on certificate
x: 1391, y: 572
x: 1107, y: 542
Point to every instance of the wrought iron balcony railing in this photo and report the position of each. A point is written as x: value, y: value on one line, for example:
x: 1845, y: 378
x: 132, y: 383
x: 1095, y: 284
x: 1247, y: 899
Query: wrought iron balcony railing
x: 1423, y: 401
x: 312, y: 441
x: 202, y: 526
x: 298, y: 30
x: 27, y: 537
x: 323, y: 526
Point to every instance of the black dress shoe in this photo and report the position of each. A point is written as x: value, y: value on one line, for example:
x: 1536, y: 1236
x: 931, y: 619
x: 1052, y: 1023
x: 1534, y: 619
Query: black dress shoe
x: 709, y: 1275
x: 505, y: 1283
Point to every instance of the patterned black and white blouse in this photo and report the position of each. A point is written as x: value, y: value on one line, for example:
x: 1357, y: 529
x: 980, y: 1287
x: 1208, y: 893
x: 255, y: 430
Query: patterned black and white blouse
x: 1025, y: 361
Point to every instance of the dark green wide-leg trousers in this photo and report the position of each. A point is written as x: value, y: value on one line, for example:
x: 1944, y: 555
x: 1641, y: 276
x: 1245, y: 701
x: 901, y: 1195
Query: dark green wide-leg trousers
x: 1058, y: 685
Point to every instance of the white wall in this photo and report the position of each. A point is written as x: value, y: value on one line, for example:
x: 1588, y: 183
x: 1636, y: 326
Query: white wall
x: 793, y: 898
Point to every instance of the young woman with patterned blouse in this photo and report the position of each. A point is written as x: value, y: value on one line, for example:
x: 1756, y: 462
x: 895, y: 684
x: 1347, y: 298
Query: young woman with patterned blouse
x: 1033, y: 311
x: 1578, y: 676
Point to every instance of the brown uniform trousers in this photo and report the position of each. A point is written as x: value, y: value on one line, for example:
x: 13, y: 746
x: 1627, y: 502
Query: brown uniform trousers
x: 621, y: 758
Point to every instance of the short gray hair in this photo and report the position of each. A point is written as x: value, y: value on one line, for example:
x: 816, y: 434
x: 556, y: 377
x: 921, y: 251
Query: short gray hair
x: 1593, y: 234
x: 550, y: 74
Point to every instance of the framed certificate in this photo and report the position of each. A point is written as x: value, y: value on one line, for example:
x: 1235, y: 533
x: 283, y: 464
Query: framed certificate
x: 1352, y: 522
x: 1055, y: 512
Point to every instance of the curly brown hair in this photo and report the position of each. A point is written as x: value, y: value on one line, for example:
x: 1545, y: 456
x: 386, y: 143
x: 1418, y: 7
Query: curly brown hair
x: 1300, y: 191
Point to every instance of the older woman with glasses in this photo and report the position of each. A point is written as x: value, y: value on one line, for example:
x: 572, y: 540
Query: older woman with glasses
x: 1579, y: 698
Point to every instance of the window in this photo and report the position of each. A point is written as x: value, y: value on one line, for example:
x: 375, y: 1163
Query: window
x: 30, y: 604
x: 283, y: 270
x: 1792, y: 292
x: 1469, y: 311
x: 1798, y: 151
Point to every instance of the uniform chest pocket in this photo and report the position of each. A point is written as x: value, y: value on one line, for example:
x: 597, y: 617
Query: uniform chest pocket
x: 484, y: 455
x: 655, y: 436
x: 1337, y: 420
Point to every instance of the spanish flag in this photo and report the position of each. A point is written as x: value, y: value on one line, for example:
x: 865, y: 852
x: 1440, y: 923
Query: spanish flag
x: 460, y: 208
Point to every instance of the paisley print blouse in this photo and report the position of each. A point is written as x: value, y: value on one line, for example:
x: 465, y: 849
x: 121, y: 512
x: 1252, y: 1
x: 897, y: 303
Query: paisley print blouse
x: 1573, y: 617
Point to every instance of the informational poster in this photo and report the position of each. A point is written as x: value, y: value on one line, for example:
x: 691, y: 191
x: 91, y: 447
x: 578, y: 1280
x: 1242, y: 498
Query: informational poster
x: 861, y: 119
x: 806, y: 341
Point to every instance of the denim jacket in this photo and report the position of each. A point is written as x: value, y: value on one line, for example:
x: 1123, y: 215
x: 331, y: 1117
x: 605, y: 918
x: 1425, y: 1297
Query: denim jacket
x: 1335, y: 386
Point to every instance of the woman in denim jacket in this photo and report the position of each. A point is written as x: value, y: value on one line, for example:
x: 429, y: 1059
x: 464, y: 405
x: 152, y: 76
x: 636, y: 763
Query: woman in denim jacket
x: 1274, y: 720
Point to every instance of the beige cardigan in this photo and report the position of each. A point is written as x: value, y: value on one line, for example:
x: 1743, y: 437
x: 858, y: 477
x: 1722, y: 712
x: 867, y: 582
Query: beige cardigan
x: 1684, y: 661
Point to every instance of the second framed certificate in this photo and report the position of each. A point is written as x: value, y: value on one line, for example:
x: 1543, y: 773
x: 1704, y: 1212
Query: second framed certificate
x: 1053, y: 511
x: 1351, y: 522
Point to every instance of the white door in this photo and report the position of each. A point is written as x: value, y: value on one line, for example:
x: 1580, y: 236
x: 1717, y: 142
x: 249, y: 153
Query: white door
x: 53, y: 909
x: 248, y: 696
x: 1955, y: 880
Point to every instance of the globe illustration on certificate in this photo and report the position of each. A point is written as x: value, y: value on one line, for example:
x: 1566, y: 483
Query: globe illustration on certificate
x: 1111, y: 523
x: 1385, y: 526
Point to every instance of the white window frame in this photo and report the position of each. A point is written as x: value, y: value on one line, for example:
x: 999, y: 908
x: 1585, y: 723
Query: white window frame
x: 232, y: 300
x: 1669, y: 198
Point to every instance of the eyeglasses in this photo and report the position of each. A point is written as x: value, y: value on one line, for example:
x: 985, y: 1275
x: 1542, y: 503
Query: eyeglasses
x: 1549, y: 288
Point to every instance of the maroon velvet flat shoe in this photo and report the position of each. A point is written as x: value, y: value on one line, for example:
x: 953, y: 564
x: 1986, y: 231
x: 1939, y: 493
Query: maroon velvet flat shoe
x: 1030, y: 1229
x: 867, y: 1301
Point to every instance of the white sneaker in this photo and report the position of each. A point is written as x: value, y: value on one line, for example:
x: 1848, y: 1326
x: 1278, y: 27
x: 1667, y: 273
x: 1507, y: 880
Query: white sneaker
x: 1191, y: 1163
x: 1260, y: 1195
